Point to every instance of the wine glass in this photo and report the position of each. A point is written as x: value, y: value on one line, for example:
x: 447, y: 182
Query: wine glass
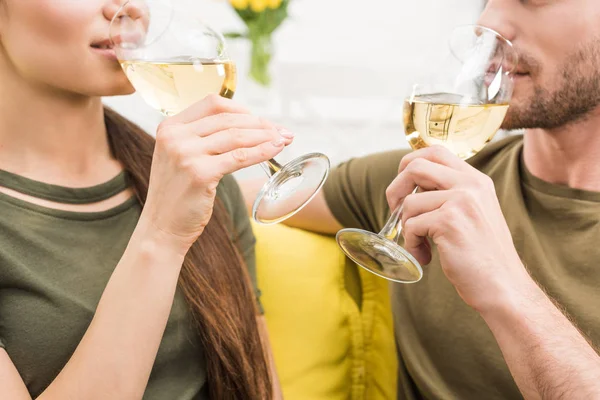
x: 460, y: 107
x: 174, y: 59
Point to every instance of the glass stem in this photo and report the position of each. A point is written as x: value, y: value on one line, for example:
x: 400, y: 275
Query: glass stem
x: 271, y: 167
x: 393, y: 227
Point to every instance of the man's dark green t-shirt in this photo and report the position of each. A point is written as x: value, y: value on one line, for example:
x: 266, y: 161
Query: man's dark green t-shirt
x: 446, y: 351
x: 54, y: 266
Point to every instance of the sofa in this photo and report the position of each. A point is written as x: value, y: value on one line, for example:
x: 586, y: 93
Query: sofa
x: 329, y: 321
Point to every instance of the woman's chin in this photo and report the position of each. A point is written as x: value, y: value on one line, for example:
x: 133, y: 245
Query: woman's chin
x: 120, y: 90
x: 129, y: 89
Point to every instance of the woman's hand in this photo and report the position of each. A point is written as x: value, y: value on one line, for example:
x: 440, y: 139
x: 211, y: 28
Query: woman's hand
x: 460, y: 212
x: 194, y: 150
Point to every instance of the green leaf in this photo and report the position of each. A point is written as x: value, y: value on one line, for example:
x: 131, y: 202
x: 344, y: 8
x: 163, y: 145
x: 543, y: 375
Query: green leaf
x: 235, y: 35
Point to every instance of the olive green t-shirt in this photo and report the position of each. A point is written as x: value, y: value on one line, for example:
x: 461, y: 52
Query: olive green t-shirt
x: 446, y: 350
x: 54, y: 266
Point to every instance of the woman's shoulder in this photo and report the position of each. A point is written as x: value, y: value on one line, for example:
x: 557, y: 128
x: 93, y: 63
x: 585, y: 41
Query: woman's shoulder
x: 230, y: 194
x: 239, y: 225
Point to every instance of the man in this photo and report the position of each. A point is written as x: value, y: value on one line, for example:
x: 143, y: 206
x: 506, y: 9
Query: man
x: 509, y: 304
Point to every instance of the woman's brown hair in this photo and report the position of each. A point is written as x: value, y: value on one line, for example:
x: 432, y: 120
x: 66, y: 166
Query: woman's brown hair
x: 213, y: 280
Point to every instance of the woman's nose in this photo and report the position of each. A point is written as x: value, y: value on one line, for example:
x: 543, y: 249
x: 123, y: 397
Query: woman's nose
x: 134, y: 9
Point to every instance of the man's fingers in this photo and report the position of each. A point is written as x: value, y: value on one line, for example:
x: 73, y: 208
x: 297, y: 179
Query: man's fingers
x: 436, y: 154
x: 415, y: 232
x: 424, y: 174
x: 422, y: 203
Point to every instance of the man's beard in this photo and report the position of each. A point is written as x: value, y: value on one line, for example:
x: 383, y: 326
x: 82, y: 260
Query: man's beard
x: 577, y: 95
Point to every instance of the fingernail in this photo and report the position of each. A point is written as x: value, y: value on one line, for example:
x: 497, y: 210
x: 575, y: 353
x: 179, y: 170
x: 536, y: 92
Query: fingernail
x: 278, y: 142
x: 285, y: 133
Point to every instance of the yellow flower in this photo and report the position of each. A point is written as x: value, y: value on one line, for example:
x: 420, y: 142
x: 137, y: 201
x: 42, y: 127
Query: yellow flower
x: 274, y: 4
x: 258, y: 5
x: 239, y: 4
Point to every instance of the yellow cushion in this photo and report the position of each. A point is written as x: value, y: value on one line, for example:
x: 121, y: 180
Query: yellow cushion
x: 324, y: 345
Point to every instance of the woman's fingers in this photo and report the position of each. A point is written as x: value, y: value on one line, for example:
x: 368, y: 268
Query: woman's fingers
x: 220, y: 122
x: 210, y: 105
x: 232, y: 139
x: 244, y: 157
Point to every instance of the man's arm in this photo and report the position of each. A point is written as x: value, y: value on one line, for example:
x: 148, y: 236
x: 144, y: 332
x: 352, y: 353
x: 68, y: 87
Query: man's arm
x: 459, y: 211
x: 547, y: 356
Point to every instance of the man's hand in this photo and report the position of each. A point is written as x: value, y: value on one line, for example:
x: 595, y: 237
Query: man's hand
x: 460, y: 212
x: 458, y: 209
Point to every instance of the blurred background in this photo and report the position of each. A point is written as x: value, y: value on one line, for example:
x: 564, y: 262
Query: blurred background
x: 339, y: 69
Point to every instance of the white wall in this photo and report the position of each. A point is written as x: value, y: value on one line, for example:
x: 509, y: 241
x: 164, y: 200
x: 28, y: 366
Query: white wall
x: 341, y: 69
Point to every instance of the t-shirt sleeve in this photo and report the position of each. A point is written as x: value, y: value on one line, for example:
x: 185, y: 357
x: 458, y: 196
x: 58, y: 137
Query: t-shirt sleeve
x: 241, y: 230
x: 355, y: 190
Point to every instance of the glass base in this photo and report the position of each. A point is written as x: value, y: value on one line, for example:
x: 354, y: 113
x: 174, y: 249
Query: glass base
x: 379, y: 255
x: 291, y: 188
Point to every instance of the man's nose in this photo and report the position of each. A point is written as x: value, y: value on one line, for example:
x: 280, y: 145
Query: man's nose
x: 497, y: 16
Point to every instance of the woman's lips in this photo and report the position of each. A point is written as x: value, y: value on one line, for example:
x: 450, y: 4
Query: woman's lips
x: 105, y: 51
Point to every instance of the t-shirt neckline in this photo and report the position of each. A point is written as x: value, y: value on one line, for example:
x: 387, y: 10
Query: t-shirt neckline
x: 554, y: 189
x: 66, y: 195
x: 63, y: 194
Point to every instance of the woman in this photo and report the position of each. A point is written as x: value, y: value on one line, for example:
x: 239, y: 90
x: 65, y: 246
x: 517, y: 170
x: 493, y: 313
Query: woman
x: 101, y: 298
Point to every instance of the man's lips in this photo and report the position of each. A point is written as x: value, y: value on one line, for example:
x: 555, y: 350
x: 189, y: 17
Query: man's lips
x: 491, y: 76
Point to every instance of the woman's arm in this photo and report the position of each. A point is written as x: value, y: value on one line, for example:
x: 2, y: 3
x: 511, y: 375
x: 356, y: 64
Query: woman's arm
x: 12, y: 387
x: 193, y: 151
x: 115, y: 356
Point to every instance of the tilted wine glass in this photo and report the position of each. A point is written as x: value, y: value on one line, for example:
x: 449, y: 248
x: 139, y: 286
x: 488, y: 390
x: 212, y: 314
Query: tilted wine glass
x: 460, y: 107
x: 174, y: 59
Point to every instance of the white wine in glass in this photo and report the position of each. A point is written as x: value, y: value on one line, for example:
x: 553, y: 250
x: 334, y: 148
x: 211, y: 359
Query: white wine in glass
x: 171, y: 85
x: 441, y: 119
x: 461, y: 107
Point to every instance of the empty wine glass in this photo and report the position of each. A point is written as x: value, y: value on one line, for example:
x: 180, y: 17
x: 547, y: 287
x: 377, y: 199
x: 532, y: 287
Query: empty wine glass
x: 174, y: 59
x: 461, y: 106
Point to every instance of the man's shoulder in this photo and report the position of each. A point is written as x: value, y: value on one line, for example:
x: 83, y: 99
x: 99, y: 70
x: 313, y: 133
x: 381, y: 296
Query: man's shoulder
x: 369, y: 172
x: 496, y: 153
x: 387, y: 162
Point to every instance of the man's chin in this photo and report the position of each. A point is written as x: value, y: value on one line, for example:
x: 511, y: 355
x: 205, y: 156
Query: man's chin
x: 516, y: 118
x: 519, y: 112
